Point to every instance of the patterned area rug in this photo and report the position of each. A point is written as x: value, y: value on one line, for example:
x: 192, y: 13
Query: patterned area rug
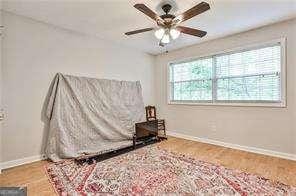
x: 154, y: 171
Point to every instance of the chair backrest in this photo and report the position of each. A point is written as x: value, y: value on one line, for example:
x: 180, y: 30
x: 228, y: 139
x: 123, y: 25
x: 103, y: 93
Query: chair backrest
x: 150, y: 113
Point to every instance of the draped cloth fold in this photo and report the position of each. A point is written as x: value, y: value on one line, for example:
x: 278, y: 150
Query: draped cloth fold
x: 91, y: 116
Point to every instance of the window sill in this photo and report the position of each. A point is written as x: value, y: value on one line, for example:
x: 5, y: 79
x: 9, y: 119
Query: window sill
x: 232, y: 104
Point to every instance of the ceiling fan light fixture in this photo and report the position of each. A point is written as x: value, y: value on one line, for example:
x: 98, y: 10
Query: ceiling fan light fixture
x: 174, y: 33
x: 165, y: 39
x: 168, y: 24
x: 159, y: 33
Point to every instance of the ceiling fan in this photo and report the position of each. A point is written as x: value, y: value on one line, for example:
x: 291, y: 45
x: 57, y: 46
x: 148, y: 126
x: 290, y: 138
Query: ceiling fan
x: 168, y: 24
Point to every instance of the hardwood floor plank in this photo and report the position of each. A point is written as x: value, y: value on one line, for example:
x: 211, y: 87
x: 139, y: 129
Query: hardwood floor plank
x: 33, y: 175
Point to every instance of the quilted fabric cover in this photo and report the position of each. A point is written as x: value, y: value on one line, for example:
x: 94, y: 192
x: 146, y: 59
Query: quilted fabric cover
x: 88, y: 115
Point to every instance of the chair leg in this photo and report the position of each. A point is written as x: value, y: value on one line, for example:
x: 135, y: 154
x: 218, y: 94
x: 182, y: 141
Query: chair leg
x: 134, y: 141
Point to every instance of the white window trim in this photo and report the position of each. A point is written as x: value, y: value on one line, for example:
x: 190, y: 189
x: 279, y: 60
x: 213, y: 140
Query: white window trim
x: 282, y: 103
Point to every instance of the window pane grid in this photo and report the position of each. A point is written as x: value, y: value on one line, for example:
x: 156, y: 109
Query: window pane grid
x: 245, y: 76
x: 199, y: 69
x: 194, y: 90
x: 249, y: 88
x: 224, y: 69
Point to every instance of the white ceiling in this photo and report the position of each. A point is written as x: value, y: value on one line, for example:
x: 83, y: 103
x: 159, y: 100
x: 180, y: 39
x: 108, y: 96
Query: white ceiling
x: 109, y: 19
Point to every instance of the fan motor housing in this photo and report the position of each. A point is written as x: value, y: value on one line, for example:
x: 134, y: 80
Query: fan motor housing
x: 167, y: 17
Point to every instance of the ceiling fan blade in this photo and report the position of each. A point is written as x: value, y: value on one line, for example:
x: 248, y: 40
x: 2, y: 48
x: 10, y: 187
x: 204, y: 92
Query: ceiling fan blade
x: 194, y: 11
x: 138, y: 31
x: 191, y: 31
x: 147, y: 11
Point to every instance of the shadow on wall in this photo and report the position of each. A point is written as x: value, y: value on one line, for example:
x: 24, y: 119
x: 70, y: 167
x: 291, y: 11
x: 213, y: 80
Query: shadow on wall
x: 44, y: 116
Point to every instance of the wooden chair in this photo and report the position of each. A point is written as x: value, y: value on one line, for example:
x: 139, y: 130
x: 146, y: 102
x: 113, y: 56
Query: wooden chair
x: 150, y: 113
x: 151, y: 116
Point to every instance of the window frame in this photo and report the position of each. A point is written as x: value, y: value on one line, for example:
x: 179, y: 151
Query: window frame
x: 215, y: 102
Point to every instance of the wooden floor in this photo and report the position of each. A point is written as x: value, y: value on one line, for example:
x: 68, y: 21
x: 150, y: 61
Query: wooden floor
x: 33, y: 175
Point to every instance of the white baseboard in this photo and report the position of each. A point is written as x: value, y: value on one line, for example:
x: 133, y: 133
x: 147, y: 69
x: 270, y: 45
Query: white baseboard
x: 31, y: 159
x: 22, y: 161
x: 235, y: 146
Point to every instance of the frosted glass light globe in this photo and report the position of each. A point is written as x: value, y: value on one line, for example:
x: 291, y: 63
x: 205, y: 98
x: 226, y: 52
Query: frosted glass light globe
x: 165, y: 39
x: 174, y: 33
x: 159, y: 33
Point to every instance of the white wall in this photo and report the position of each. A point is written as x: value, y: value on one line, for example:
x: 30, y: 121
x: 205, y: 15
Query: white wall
x: 0, y: 82
x: 33, y: 53
x: 267, y: 128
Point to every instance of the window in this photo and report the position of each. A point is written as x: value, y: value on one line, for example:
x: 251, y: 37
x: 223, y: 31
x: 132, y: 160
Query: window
x: 250, y: 76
